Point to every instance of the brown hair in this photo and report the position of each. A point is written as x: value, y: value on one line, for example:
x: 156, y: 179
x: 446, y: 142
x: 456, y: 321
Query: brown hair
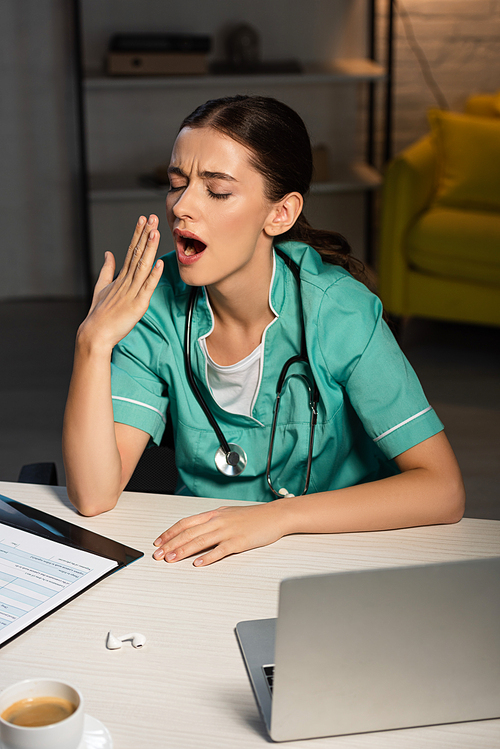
x: 281, y: 152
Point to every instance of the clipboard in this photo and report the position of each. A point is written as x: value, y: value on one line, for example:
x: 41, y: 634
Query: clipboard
x: 45, y: 562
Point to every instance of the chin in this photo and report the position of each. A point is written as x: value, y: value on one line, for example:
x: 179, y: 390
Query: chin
x: 193, y: 276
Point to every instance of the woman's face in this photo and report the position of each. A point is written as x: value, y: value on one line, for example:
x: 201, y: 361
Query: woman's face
x: 216, y: 208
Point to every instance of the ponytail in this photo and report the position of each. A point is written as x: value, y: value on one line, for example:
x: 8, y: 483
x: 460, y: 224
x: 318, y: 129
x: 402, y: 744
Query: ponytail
x: 332, y: 246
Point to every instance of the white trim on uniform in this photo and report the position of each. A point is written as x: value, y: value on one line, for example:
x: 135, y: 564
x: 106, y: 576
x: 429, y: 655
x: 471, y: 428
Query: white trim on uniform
x: 260, y: 348
x: 393, y: 429
x: 138, y: 403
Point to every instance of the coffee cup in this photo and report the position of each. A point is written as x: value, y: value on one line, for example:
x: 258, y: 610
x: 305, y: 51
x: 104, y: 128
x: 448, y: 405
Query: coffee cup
x: 41, y: 714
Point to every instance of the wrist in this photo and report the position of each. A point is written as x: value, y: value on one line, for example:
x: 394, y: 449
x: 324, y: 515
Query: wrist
x: 89, y: 344
x: 288, y: 515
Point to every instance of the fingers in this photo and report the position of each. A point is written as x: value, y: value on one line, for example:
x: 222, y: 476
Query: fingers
x: 188, y: 548
x: 107, y: 270
x: 142, y: 249
x: 191, y: 536
x: 142, y: 283
x: 136, y: 238
x: 182, y: 526
x: 220, y: 551
x: 152, y: 279
x: 120, y: 302
x: 106, y: 275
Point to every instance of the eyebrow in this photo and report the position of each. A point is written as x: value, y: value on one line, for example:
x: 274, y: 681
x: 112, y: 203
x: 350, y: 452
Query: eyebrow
x: 217, y: 175
x: 204, y: 175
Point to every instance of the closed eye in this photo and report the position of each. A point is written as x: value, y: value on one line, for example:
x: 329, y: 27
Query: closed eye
x: 219, y: 195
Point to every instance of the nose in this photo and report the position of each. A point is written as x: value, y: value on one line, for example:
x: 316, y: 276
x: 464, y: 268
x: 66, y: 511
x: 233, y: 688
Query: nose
x: 184, y: 203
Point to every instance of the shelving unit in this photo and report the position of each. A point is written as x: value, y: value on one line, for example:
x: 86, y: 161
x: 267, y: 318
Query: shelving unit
x: 348, y: 177
x: 341, y: 71
x: 131, y: 123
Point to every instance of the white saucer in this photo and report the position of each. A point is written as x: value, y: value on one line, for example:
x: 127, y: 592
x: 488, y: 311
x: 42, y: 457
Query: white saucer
x: 95, y: 735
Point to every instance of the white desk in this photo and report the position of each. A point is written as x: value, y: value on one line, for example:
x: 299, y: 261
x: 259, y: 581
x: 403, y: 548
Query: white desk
x: 188, y: 687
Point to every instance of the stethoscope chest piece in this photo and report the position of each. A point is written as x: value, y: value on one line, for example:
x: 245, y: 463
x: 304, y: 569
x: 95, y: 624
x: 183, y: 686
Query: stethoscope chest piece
x: 231, y: 463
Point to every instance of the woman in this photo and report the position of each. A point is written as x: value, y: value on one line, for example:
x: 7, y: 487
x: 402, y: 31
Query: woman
x: 252, y: 272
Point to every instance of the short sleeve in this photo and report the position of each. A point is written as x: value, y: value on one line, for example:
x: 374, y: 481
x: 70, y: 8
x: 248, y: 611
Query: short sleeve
x: 139, y: 394
x: 379, y: 380
x: 387, y: 395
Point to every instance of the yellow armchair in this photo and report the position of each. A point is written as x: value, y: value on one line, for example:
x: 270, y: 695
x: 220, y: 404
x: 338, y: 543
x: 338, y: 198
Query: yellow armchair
x: 439, y: 252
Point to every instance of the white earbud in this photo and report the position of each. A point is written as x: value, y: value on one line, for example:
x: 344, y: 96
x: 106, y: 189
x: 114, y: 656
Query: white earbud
x: 112, y: 642
x: 115, y: 643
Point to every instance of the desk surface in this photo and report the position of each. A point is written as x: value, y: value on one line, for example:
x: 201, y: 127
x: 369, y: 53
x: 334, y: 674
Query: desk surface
x: 188, y: 688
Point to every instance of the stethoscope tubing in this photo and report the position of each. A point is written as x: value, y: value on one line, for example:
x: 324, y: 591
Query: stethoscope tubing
x: 187, y: 362
x: 313, y: 402
x: 231, y: 459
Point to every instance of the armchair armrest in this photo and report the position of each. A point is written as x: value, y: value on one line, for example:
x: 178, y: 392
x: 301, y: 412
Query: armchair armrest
x: 483, y: 105
x: 409, y: 184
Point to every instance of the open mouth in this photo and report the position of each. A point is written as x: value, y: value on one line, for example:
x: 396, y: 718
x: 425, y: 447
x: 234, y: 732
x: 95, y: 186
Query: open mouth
x: 188, y: 244
x: 192, y: 246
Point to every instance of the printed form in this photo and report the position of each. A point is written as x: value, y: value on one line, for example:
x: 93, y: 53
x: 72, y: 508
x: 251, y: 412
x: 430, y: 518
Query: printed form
x: 37, y: 575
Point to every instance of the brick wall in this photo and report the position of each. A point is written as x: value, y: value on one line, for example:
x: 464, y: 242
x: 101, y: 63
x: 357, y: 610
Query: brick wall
x: 461, y: 41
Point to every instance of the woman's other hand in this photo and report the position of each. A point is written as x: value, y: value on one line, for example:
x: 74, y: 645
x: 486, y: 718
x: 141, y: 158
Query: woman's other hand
x: 119, y: 303
x: 227, y: 530
x: 429, y: 490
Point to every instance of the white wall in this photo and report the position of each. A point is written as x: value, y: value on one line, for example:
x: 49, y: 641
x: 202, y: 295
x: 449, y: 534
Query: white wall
x: 39, y: 251
x: 461, y: 40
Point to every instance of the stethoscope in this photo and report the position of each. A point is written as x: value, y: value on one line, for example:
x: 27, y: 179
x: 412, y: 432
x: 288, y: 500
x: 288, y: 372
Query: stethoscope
x: 230, y: 458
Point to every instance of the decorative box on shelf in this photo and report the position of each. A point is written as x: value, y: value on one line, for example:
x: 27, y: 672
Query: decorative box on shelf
x: 158, y: 54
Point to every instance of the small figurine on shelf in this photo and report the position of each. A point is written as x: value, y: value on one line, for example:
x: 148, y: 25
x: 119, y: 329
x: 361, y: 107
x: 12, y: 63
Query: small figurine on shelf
x: 243, y: 48
x: 243, y: 55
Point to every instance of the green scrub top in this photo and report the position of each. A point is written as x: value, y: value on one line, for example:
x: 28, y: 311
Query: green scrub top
x: 371, y: 408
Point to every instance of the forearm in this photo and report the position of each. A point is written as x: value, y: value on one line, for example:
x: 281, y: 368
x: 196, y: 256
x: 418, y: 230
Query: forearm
x: 428, y: 490
x: 96, y: 472
x: 91, y: 457
x: 415, y: 497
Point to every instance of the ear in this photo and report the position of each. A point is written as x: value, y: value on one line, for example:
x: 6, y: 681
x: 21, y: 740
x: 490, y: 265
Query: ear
x: 284, y: 214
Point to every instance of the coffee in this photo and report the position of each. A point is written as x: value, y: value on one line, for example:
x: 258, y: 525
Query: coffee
x: 38, y: 711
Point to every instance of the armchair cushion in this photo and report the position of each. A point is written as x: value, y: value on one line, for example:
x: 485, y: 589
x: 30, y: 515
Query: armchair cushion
x: 457, y: 244
x: 468, y: 149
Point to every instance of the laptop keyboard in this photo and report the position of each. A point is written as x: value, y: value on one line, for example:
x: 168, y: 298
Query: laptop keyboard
x: 269, y: 676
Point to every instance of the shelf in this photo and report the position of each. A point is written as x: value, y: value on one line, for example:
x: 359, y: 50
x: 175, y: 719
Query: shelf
x: 124, y: 187
x: 342, y: 70
x: 348, y: 178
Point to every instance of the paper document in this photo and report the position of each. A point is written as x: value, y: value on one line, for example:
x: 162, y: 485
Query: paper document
x: 37, y: 575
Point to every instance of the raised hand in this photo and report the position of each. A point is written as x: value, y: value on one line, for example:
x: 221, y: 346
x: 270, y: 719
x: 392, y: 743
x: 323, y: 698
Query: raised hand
x: 117, y: 305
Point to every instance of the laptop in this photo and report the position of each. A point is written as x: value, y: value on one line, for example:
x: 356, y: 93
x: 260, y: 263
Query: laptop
x: 377, y: 649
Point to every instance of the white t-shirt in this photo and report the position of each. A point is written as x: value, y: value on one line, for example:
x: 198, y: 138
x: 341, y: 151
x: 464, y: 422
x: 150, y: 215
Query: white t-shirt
x: 234, y: 387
